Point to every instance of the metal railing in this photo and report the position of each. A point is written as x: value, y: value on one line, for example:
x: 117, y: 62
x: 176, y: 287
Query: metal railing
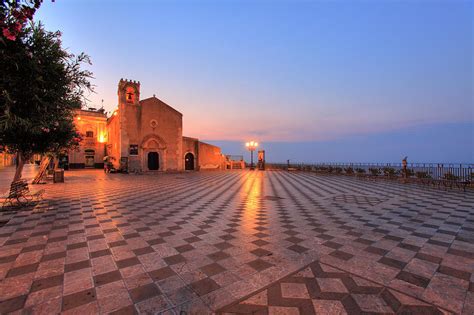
x: 235, y: 157
x: 437, y: 171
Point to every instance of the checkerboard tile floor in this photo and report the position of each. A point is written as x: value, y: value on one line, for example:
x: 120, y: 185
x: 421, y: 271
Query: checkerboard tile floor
x: 232, y: 242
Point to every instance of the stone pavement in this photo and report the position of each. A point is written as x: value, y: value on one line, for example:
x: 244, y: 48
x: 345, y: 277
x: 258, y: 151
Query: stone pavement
x: 239, y: 242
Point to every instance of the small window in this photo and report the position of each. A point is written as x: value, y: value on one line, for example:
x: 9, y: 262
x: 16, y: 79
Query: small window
x: 134, y: 149
x: 89, y: 134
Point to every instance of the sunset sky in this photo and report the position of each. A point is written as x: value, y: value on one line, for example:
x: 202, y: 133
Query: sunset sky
x: 285, y: 71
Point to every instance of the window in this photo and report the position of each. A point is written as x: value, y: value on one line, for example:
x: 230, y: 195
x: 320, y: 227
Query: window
x: 89, y: 134
x: 134, y: 149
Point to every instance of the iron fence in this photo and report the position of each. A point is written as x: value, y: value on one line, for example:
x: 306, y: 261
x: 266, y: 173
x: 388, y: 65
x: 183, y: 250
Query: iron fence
x: 438, y: 171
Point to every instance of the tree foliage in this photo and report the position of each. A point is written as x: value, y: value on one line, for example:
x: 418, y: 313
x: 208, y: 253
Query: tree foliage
x: 14, y: 14
x: 41, y: 85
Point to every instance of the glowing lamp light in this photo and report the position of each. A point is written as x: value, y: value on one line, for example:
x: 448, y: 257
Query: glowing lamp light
x: 102, y: 138
x: 251, y: 146
x: 115, y: 113
x: 78, y: 117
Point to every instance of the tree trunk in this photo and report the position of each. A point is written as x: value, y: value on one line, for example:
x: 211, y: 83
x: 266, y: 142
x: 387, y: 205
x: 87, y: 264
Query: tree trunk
x: 56, y: 162
x: 20, y: 162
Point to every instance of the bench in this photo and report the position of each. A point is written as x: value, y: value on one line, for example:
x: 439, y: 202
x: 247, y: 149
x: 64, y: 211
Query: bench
x: 20, y: 195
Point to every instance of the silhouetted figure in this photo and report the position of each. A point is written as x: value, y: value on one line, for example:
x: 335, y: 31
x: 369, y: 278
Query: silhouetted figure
x: 404, y: 167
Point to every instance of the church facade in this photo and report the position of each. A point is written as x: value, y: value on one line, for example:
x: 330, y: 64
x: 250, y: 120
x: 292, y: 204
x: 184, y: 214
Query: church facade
x: 147, y: 136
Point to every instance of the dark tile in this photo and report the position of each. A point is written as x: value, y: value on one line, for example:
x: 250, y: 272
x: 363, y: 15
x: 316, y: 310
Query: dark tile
x: 204, y: 286
x: 156, y: 241
x: 127, y: 262
x: 16, y: 241
x: 218, y: 256
x: 409, y: 247
x: 127, y: 310
x: 131, y: 235
x: 413, y: 279
x: 45, y: 283
x: 107, y: 277
x: 22, y: 270
x: 212, y: 269
x: 165, y: 234
x: 260, y: 252
x: 78, y: 299
x: 100, y: 253
x: 341, y: 255
x: 223, y: 245
x: 376, y: 250
x: 260, y: 242
x: 117, y: 243
x: 429, y: 258
x: 392, y: 262
x: 76, y: 266
x: 184, y: 248
x: 464, y: 275
x: 161, y: 273
x: 259, y: 264
x: 143, y: 251
x: 294, y: 239
x: 7, y: 259
x: 175, y: 259
x: 144, y: 292
x: 12, y: 305
x: 95, y: 237
x: 461, y: 253
x: 76, y: 245
x: 33, y: 248
x: 364, y: 241
x: 332, y: 244
x: 192, y: 239
x: 297, y: 248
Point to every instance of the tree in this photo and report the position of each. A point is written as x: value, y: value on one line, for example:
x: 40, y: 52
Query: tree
x: 14, y: 14
x: 41, y: 84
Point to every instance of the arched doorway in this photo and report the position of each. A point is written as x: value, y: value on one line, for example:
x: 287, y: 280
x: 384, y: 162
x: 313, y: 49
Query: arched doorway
x: 189, y: 162
x: 153, y: 161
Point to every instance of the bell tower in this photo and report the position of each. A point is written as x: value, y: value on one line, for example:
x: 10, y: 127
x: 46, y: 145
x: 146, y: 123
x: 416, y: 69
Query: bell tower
x: 128, y: 92
x: 128, y: 110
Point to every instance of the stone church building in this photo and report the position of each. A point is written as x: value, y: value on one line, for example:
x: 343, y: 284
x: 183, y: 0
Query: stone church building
x: 141, y: 135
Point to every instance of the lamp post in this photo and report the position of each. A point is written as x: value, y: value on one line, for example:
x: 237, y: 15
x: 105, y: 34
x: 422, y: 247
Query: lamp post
x: 251, y: 146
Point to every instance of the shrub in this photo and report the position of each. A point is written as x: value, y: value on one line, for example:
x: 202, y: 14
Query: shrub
x: 449, y: 176
x: 360, y: 171
x: 349, y: 170
x: 337, y: 170
x: 410, y: 172
x: 389, y: 171
x: 375, y: 171
x: 422, y: 175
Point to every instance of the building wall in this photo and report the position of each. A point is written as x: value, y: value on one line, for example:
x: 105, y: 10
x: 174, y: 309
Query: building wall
x: 149, y: 125
x: 113, y: 139
x: 211, y: 157
x: 92, y: 125
x: 139, y: 128
x: 6, y: 159
x: 191, y: 145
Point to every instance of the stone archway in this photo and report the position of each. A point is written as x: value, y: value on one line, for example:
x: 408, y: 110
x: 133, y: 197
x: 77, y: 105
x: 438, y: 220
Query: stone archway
x: 189, y: 162
x: 153, y: 153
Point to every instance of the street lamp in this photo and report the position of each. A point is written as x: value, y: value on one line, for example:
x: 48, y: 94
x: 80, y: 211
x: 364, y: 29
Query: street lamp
x: 251, y: 146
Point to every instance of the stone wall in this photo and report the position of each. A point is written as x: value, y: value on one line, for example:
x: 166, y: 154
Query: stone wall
x: 210, y: 157
x: 92, y: 125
